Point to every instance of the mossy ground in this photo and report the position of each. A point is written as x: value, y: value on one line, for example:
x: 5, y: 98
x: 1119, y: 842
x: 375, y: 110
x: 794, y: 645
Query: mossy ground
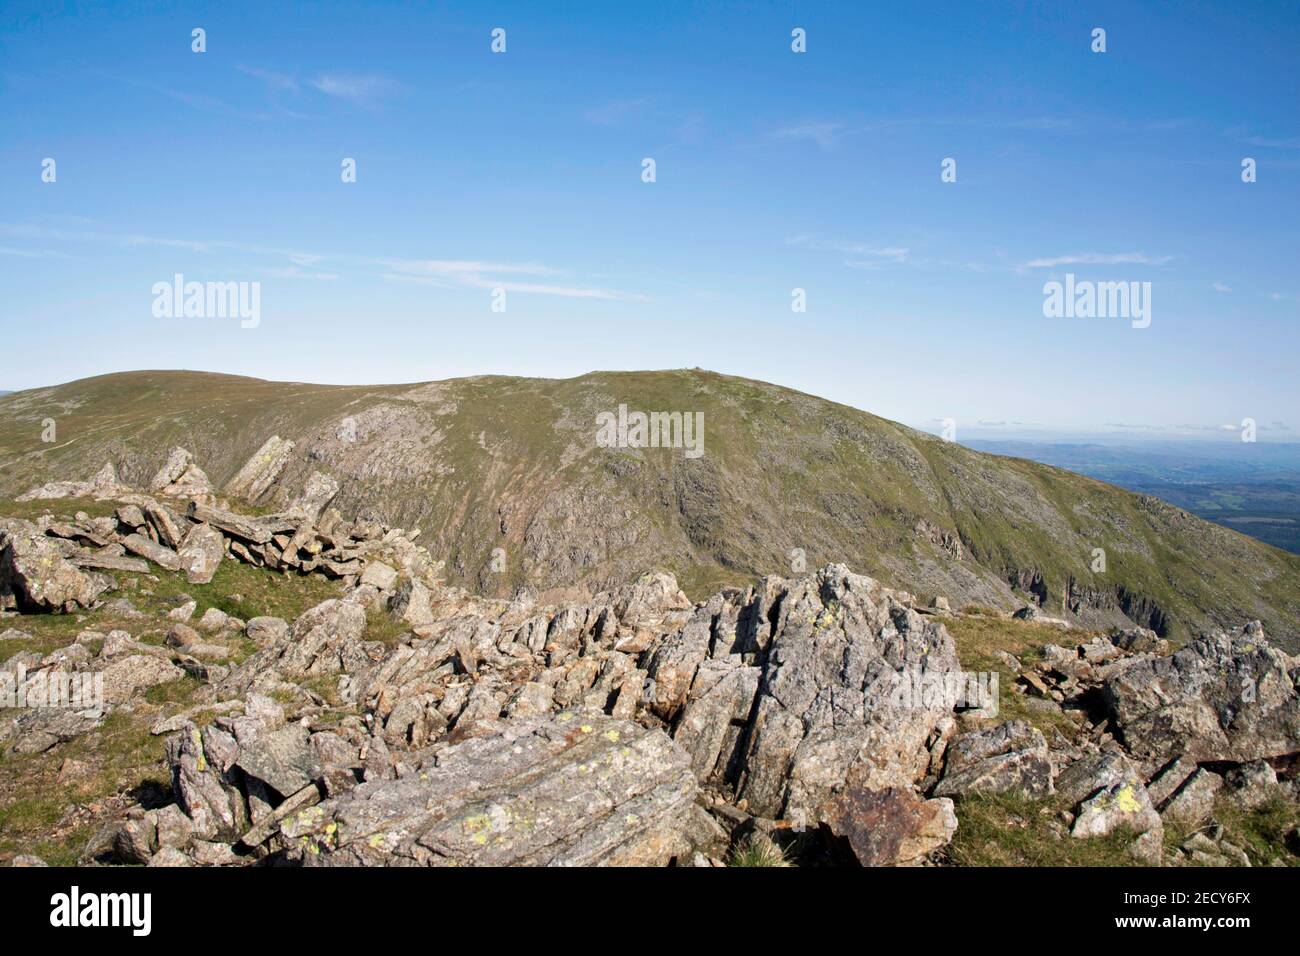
x: 980, y: 637
x: 1007, y: 830
x: 53, y: 815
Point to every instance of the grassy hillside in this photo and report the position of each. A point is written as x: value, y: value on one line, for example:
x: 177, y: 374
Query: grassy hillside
x: 512, y: 463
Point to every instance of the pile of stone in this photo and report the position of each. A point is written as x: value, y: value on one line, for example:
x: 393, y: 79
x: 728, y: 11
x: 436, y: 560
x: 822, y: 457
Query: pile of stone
x: 637, y: 728
x: 1158, y: 738
x: 102, y: 671
x: 309, y: 537
x: 634, y: 727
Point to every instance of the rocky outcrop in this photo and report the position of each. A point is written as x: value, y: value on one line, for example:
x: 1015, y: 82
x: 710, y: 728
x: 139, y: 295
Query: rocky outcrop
x: 891, y: 826
x: 103, y: 484
x: 650, y: 695
x: 181, y: 477
x: 843, y: 660
x: 34, y: 576
x: 316, y: 494
x: 260, y: 472
x: 573, y: 790
x: 1010, y: 758
x: 201, y: 553
x: 306, y: 539
x: 1224, y: 697
x: 629, y: 726
x: 1161, y: 737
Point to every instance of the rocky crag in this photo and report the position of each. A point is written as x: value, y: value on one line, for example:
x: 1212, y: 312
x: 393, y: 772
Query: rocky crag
x: 404, y: 721
x: 510, y: 487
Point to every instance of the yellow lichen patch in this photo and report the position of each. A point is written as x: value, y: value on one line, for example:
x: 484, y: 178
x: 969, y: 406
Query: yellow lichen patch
x: 586, y: 728
x: 611, y: 735
x: 308, y: 816
x: 201, y: 762
x: 477, y: 827
x: 1127, y: 800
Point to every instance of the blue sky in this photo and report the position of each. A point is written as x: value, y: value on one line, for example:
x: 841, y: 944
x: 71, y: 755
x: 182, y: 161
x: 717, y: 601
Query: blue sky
x: 775, y: 171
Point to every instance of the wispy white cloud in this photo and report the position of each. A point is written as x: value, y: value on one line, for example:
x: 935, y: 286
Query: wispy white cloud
x: 478, y: 274
x: 123, y: 239
x: 444, y: 273
x: 1222, y: 287
x: 1192, y: 428
x: 827, y: 133
x: 198, y: 101
x: 1097, y: 259
x: 610, y: 113
x: 281, y: 82
x: 824, y: 134
x: 457, y: 267
x: 1246, y: 135
x: 132, y: 240
x: 295, y: 272
x: 859, y: 255
x: 360, y: 89
x: 1046, y: 123
x: 32, y: 253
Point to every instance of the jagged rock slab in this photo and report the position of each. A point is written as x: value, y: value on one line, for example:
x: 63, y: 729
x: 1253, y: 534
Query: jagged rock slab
x: 35, y: 576
x: 1125, y: 805
x: 160, y: 555
x: 110, y: 562
x: 843, y: 691
x: 1223, y: 697
x: 1193, y: 804
x: 890, y: 827
x: 181, y: 477
x: 249, y: 529
x: 260, y: 472
x: 578, y: 790
x: 1011, y: 757
x: 201, y: 553
x: 205, y: 788
x: 166, y: 524
x: 315, y: 497
x: 103, y: 484
x: 282, y: 759
x: 126, y: 677
x: 172, y: 469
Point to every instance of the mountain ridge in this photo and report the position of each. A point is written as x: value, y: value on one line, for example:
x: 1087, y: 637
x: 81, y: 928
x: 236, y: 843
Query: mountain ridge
x: 505, y: 476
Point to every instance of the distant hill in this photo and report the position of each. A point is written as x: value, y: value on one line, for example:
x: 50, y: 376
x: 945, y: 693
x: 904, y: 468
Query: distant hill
x: 512, y: 463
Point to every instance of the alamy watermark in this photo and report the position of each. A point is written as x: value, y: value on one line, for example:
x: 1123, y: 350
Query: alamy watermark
x: 1085, y: 299
x: 626, y: 429
x: 62, y: 689
x: 945, y: 690
x: 208, y: 300
x: 73, y: 909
